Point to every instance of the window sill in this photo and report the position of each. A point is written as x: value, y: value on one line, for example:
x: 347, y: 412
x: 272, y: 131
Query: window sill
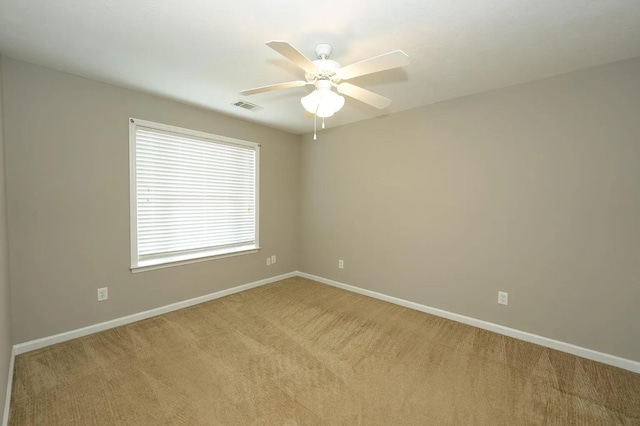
x: 150, y: 265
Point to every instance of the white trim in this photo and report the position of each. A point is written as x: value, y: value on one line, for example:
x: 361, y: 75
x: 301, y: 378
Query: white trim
x: 133, y: 178
x: 604, y: 358
x: 190, y: 132
x: 32, y: 345
x: 257, y: 206
x: 7, y: 401
x: 171, y: 264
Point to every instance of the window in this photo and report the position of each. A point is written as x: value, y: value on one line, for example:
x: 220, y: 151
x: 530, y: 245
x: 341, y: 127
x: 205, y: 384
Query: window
x: 194, y: 195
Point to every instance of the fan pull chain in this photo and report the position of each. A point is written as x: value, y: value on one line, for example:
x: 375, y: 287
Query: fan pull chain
x: 315, y: 125
x: 323, y: 122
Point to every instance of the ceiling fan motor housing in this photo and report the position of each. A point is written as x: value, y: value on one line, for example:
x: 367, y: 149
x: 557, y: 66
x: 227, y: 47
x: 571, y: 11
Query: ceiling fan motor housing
x: 326, y: 67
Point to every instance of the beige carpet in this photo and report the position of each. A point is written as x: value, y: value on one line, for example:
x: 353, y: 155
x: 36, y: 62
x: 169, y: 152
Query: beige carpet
x: 301, y: 353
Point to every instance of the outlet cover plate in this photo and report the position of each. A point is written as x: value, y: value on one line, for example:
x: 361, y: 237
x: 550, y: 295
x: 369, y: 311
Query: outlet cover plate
x: 103, y: 294
x: 503, y: 298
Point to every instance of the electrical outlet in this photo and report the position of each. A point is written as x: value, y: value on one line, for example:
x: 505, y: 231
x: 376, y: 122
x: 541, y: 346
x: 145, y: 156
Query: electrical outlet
x: 341, y: 264
x: 103, y: 294
x: 503, y: 298
x: 273, y: 259
x: 268, y: 261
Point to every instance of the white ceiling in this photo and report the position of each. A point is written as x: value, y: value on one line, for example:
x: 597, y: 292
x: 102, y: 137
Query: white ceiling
x: 204, y: 52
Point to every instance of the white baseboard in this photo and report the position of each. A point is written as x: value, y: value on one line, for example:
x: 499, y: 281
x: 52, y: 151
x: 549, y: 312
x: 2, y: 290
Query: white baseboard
x: 7, y: 401
x: 604, y: 358
x: 616, y: 361
x: 32, y: 345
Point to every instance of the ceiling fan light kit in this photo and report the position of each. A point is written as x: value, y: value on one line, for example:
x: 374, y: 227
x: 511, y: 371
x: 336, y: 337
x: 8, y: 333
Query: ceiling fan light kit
x: 325, y: 74
x: 323, y: 102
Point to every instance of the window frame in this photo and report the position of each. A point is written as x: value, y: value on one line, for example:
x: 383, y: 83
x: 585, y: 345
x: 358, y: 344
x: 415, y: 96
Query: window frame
x: 188, y: 256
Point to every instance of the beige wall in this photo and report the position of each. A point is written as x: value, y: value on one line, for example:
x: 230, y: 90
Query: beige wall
x: 68, y: 202
x: 533, y: 189
x: 5, y: 306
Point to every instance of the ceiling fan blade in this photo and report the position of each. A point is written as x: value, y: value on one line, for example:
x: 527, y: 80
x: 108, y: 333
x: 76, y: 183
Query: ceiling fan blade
x: 387, y: 61
x: 271, y: 87
x: 292, y: 54
x: 364, y: 95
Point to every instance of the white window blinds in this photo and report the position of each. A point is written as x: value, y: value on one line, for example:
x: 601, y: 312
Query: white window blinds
x: 195, y: 194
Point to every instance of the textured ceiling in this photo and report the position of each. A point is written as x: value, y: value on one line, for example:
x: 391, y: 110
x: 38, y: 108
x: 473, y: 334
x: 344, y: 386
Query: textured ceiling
x: 204, y: 52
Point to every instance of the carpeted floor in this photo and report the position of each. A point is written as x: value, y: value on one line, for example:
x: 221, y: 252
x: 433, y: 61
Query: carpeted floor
x: 301, y: 353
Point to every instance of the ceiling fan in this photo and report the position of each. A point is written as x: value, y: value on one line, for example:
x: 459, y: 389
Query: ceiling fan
x: 324, y: 74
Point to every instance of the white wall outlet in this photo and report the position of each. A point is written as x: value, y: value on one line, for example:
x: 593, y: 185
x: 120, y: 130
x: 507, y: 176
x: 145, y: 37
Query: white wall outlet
x: 341, y: 264
x: 103, y: 294
x: 503, y: 298
x: 273, y: 259
x: 268, y: 261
